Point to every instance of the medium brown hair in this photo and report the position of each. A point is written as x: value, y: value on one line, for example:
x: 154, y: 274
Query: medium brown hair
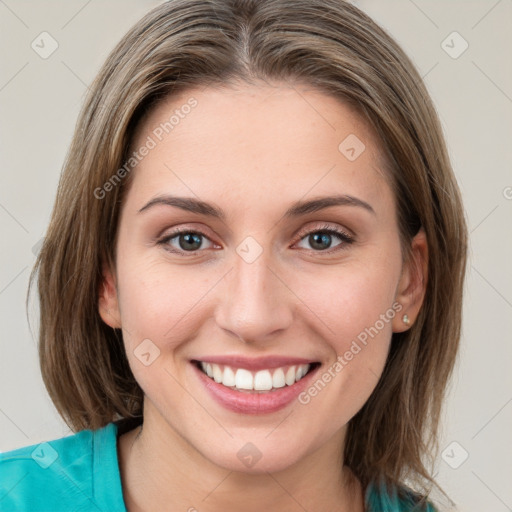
x: 336, y: 48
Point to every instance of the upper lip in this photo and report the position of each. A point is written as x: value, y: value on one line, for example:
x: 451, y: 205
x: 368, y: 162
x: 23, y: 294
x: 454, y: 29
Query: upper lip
x: 255, y: 363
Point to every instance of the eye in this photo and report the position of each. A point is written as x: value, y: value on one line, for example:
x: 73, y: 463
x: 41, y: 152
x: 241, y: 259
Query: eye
x: 185, y: 240
x: 321, y: 239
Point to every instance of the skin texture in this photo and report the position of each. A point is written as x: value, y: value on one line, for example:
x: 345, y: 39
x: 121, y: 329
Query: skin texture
x: 253, y: 151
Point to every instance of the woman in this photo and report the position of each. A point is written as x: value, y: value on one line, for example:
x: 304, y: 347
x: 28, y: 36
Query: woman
x: 251, y: 285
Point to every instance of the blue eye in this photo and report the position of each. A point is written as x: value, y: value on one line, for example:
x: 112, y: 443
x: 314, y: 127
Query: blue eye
x: 183, y: 241
x: 188, y: 241
x: 323, y: 240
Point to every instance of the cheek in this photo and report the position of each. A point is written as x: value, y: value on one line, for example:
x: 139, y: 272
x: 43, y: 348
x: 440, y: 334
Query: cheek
x: 155, y: 299
x: 166, y: 304
x: 352, y: 299
x: 158, y: 306
x: 354, y: 309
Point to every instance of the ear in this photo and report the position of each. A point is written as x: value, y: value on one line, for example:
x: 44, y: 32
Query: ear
x: 108, y: 300
x: 413, y: 283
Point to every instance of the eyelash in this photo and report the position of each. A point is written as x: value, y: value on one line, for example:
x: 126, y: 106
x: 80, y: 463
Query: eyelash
x: 345, y: 238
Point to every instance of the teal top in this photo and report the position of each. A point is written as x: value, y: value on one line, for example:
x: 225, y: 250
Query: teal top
x: 80, y: 473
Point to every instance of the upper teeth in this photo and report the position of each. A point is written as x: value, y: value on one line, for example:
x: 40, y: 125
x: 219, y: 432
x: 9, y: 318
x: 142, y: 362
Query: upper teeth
x: 261, y: 380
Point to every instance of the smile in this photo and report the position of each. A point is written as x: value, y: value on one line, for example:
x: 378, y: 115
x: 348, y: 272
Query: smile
x: 262, y: 381
x: 250, y: 386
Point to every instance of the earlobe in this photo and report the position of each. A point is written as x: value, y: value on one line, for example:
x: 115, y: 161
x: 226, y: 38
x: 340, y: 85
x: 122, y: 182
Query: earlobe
x: 108, y: 305
x: 413, y: 283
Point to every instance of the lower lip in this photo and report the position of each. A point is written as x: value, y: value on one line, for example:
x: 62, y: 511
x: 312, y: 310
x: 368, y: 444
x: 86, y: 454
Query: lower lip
x: 254, y: 403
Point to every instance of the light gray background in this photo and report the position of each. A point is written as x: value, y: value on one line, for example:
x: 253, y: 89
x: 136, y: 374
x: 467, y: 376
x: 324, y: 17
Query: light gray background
x: 39, y: 103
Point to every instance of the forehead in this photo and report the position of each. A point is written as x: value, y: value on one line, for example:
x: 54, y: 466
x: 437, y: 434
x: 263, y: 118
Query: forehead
x: 258, y: 141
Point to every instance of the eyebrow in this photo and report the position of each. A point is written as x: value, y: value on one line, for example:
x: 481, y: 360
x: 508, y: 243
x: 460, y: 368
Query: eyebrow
x: 297, y: 209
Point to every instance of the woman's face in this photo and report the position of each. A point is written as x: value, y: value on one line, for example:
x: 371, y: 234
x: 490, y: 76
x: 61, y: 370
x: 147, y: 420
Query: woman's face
x: 264, y: 278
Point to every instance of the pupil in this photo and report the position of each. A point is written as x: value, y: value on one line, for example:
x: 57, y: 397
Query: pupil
x: 317, y: 239
x: 190, y: 239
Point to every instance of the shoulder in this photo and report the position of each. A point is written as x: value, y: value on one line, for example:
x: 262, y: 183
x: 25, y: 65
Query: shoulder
x: 384, y: 498
x: 59, y: 474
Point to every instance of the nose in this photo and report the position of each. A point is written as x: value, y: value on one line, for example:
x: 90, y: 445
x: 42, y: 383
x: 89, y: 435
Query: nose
x: 255, y: 303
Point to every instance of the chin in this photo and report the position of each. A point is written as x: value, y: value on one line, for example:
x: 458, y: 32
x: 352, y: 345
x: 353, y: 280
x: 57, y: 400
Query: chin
x: 259, y: 455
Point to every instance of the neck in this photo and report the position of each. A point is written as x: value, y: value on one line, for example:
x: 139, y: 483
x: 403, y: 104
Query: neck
x: 159, y: 469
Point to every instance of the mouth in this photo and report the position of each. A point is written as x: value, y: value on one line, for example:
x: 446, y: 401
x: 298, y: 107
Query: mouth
x: 254, y: 387
x: 265, y: 380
